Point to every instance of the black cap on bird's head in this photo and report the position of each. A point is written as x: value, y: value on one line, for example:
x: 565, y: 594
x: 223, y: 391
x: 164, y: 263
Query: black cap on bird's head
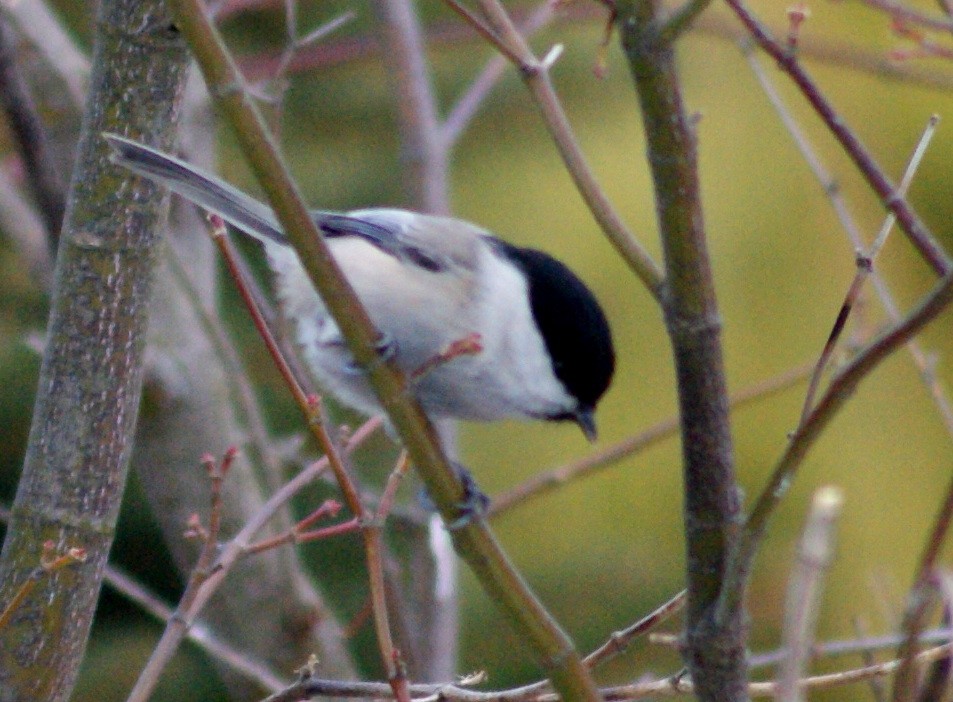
x: 574, y: 328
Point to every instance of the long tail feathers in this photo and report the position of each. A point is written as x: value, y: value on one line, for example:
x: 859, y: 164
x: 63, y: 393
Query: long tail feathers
x: 197, y: 186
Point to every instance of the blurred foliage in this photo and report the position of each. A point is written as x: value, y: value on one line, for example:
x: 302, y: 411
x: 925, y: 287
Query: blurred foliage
x: 782, y: 265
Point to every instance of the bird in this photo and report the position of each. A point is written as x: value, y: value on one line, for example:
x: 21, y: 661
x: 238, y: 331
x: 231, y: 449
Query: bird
x: 545, y: 349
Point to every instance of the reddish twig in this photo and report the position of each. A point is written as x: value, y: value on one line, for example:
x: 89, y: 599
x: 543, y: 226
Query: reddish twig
x: 310, y: 406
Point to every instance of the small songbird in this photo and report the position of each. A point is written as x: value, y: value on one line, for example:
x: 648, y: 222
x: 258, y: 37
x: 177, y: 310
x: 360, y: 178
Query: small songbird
x: 427, y: 282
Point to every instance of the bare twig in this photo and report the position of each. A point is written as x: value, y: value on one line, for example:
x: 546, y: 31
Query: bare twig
x: 218, y: 650
x: 179, y: 623
x: 840, y: 389
x: 311, y: 409
x: 620, y: 640
x: 832, y: 190
x: 804, y: 590
x: 469, y: 103
x: 542, y: 483
x: 235, y: 549
x: 312, y: 688
x: 916, y: 231
x: 865, y: 266
x: 502, y: 33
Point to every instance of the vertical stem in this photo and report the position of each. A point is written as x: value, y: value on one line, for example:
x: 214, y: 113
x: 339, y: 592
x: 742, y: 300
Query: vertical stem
x: 423, y: 151
x: 715, y: 650
x: 91, y: 379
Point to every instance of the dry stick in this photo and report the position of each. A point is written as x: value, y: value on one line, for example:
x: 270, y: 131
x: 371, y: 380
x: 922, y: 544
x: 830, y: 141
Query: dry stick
x: 507, y: 39
x: 474, y: 541
x: 669, y: 687
x: 916, y: 231
x: 919, y: 600
x: 310, y: 408
x: 545, y: 482
x: 804, y: 591
x: 841, y: 387
x: 865, y: 266
x: 831, y: 188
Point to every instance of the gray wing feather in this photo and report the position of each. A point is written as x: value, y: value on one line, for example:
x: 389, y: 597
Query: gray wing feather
x: 435, y: 246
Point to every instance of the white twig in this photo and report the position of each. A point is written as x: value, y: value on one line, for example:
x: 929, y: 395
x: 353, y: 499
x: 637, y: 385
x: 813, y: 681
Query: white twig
x: 804, y: 591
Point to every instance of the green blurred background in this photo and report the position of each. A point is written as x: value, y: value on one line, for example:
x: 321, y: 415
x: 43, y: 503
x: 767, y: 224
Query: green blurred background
x: 604, y: 551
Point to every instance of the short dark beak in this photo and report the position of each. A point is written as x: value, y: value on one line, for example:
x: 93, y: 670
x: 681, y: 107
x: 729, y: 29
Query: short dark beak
x: 586, y: 420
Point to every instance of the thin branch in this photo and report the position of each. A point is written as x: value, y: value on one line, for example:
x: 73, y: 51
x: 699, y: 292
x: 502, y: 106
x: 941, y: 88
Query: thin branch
x: 201, y: 636
x: 311, y: 408
x: 232, y: 552
x: 916, y: 231
x: 833, y: 192
x: 865, y: 266
x: 178, y: 624
x: 547, y: 481
x: 504, y: 35
x: 467, y: 105
x: 842, y: 386
x: 850, y: 647
x: 311, y: 688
